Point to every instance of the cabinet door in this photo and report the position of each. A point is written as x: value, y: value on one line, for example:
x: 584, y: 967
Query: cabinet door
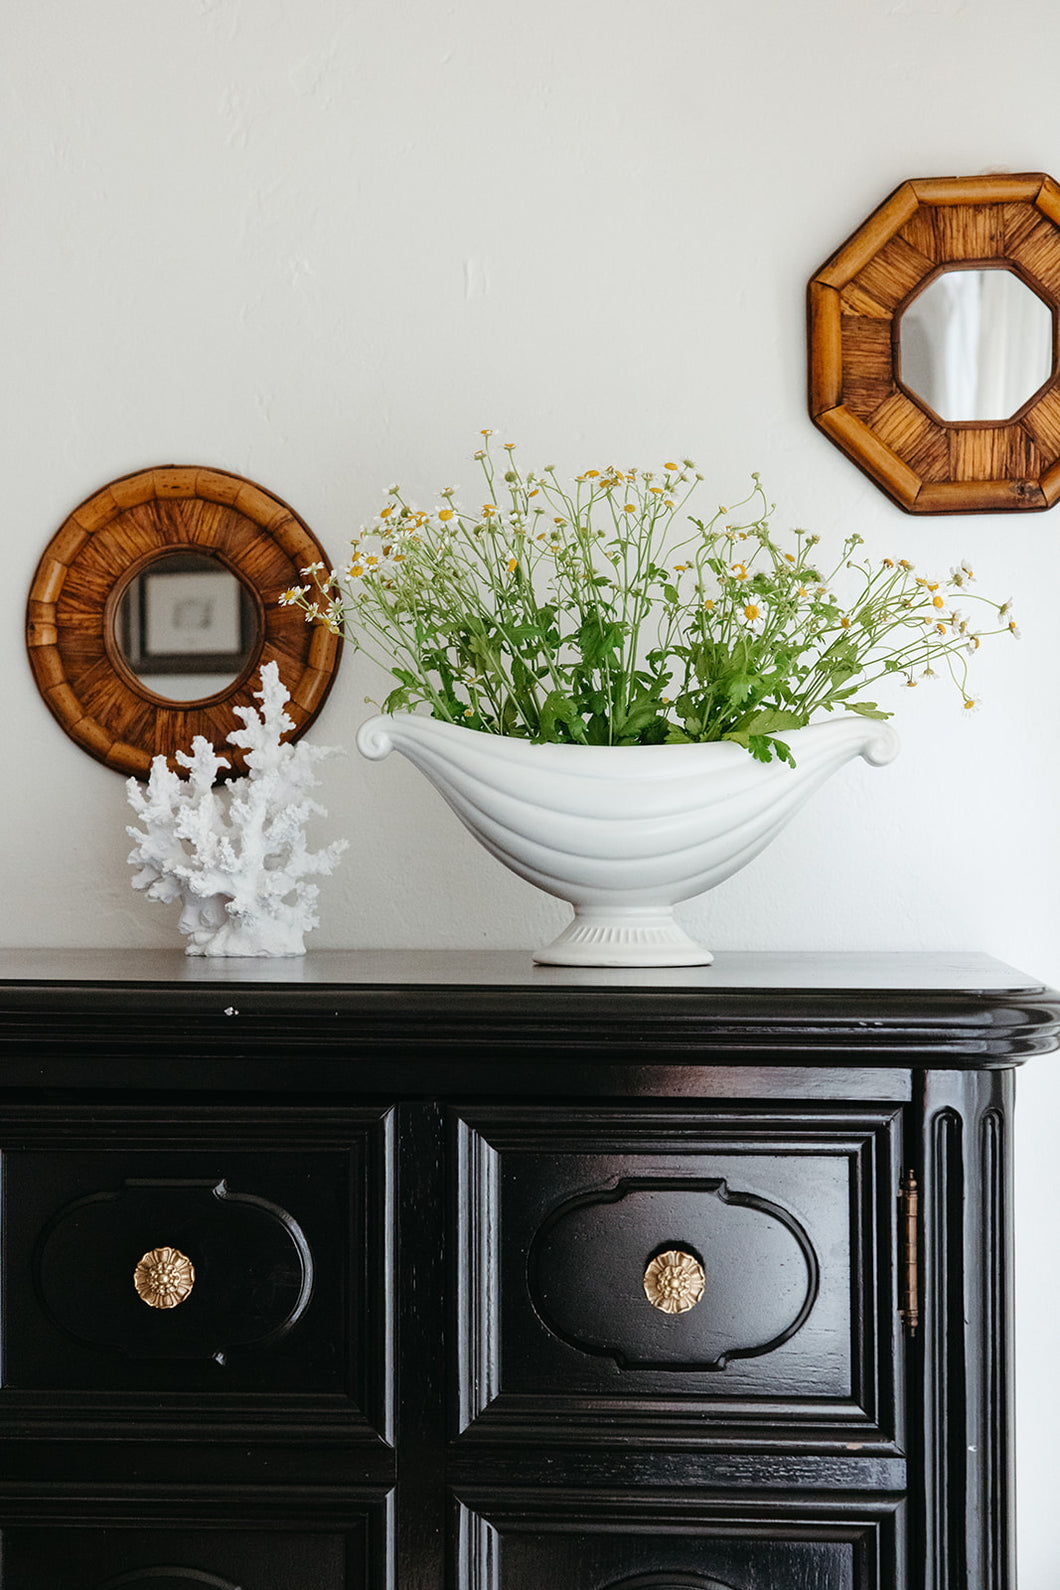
x: 187, y: 1271
x: 690, y: 1277
x: 672, y: 1542
x: 182, y: 1549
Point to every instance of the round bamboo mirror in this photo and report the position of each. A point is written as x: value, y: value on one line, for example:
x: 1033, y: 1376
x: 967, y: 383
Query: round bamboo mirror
x: 155, y: 605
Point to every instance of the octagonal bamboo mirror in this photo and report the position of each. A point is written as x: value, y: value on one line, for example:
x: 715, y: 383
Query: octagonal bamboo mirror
x: 934, y: 345
x: 156, y: 604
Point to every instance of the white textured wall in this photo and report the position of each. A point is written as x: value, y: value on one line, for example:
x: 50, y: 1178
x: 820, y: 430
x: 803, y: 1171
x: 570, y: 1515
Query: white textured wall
x: 322, y: 242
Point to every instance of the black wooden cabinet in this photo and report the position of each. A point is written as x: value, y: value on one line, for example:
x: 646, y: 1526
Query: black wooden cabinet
x: 402, y: 1271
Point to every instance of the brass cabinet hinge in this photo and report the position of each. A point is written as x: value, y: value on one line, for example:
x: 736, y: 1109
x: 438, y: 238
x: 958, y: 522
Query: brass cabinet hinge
x: 909, y: 1252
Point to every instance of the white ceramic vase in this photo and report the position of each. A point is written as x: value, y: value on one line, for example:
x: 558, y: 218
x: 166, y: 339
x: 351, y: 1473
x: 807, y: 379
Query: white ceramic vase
x: 623, y: 833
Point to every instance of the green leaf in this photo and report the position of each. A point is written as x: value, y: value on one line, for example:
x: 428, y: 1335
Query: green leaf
x: 598, y: 642
x: 761, y: 746
x: 656, y: 732
x: 398, y: 700
x: 559, y: 709
x: 639, y: 715
x: 770, y: 719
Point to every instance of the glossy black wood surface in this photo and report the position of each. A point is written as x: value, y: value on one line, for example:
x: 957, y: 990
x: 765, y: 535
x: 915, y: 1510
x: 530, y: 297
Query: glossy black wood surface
x: 420, y: 1192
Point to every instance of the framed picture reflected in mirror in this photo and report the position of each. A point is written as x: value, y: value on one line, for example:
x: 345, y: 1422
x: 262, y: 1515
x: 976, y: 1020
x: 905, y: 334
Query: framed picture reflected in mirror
x: 186, y: 625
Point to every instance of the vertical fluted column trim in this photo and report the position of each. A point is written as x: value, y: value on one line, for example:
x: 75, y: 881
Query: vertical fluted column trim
x: 967, y: 1337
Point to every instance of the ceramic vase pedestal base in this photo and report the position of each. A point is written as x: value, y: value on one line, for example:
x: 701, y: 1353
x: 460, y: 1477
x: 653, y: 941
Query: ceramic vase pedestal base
x: 647, y: 936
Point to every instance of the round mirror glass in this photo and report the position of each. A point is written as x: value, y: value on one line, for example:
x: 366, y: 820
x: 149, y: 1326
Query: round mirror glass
x: 976, y: 345
x: 186, y: 626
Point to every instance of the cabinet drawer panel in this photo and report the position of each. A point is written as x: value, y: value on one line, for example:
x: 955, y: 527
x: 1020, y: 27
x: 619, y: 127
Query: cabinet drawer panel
x: 677, y: 1272
x: 573, y: 1541
x: 347, y: 1557
x: 211, y: 1255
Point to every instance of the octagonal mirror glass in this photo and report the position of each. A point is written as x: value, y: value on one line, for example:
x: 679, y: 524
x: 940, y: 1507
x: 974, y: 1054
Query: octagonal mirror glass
x: 976, y: 345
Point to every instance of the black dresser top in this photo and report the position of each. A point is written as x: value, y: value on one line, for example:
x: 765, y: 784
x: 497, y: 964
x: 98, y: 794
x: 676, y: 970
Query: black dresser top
x: 337, y: 1017
x: 811, y: 972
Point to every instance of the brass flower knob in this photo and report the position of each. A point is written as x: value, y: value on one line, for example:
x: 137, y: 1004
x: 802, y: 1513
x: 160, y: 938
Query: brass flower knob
x: 164, y: 1277
x: 674, y: 1281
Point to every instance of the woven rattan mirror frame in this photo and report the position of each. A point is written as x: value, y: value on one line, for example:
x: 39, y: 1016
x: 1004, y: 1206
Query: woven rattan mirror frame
x: 924, y: 464
x: 71, y: 613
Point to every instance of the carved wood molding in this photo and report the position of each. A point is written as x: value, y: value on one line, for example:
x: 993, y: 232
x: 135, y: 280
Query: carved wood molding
x: 706, y: 1543
x: 520, y: 1171
x: 604, y: 1228
x: 856, y: 396
x: 141, y: 1579
x: 967, y: 1371
x: 325, y: 1375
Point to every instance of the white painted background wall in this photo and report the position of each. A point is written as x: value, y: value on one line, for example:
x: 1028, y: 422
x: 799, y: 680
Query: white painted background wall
x: 323, y: 242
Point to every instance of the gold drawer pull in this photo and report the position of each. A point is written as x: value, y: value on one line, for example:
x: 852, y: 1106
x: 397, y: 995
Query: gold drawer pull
x: 674, y: 1281
x: 164, y: 1277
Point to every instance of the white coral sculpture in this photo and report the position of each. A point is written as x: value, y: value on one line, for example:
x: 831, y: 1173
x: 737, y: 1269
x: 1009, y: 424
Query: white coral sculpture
x: 235, y: 854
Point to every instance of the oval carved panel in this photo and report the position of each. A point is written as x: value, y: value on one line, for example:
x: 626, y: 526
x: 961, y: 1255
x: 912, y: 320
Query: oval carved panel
x: 670, y: 1581
x: 252, y: 1265
x: 164, y: 1578
x: 587, y: 1266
